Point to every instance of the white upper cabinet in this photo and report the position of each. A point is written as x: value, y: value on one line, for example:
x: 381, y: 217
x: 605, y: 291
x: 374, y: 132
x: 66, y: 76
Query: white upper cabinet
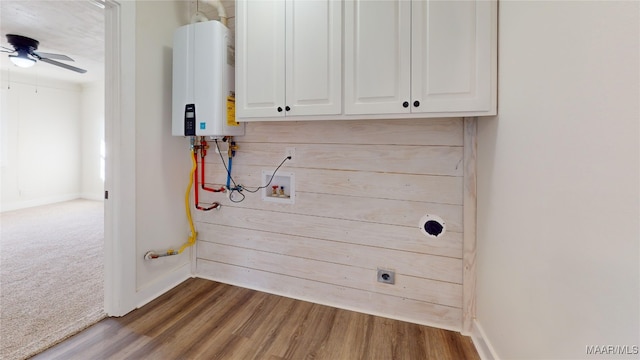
x: 288, y: 58
x: 387, y: 59
x: 452, y: 54
x: 377, y: 57
x: 419, y: 56
x: 260, y: 54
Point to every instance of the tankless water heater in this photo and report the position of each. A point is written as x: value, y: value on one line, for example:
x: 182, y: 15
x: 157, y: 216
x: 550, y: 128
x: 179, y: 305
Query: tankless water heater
x: 204, y: 81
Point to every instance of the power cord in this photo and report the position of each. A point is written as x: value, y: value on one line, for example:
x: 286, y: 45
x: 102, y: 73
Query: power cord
x: 239, y: 188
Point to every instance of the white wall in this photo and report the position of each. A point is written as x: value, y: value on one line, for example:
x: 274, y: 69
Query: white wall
x: 40, y: 141
x: 92, y: 129
x: 148, y: 169
x: 558, y: 212
x: 162, y: 161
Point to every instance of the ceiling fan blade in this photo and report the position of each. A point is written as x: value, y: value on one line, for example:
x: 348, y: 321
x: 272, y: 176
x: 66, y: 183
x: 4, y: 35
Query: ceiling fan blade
x: 52, y: 56
x: 68, y: 67
x: 6, y: 49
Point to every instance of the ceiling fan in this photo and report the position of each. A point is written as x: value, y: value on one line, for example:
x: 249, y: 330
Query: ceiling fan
x: 24, y: 54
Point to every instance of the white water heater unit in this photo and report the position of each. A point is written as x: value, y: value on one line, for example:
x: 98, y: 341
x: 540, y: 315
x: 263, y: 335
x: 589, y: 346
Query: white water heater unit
x: 204, y: 81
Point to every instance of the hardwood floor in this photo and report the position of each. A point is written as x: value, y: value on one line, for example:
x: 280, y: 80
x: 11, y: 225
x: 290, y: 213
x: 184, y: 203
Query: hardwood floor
x: 202, y: 319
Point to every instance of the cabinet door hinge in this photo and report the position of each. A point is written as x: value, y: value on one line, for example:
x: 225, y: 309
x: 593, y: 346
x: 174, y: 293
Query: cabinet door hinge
x: 106, y: 195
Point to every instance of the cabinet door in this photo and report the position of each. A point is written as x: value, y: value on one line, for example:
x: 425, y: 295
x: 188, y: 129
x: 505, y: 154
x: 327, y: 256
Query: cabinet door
x: 314, y: 57
x: 377, y: 56
x: 452, y: 56
x: 260, y: 58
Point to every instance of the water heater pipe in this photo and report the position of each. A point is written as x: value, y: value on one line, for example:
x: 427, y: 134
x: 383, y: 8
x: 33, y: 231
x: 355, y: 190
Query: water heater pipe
x: 202, y: 148
x: 203, y: 153
x: 222, y: 13
x: 229, y: 165
x: 198, y: 17
x: 231, y: 152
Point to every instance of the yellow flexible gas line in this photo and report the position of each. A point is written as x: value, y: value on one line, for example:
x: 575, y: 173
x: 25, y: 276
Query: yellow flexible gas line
x: 192, y: 238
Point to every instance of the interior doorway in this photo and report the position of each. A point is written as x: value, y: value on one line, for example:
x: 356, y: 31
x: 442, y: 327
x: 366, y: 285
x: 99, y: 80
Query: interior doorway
x: 54, y: 234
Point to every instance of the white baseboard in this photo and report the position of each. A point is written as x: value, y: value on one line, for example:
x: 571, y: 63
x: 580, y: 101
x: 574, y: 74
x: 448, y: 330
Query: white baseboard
x: 160, y: 287
x: 92, y: 196
x: 481, y: 342
x: 17, y: 205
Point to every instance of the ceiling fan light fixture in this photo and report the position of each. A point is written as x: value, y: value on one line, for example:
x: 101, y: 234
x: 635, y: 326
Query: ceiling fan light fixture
x: 22, y: 60
x: 25, y: 55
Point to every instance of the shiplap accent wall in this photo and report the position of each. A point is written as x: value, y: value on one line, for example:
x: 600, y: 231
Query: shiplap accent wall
x: 361, y: 189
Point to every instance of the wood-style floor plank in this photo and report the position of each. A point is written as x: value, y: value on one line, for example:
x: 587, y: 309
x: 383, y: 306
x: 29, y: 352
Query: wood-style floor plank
x: 202, y: 319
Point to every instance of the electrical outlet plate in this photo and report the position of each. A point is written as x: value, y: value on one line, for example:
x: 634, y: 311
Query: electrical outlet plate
x: 290, y: 151
x: 386, y: 276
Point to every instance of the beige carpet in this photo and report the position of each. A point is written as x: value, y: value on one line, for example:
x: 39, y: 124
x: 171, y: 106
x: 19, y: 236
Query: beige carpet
x: 51, y: 275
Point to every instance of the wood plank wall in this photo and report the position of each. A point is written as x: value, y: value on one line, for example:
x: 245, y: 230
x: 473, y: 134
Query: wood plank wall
x: 361, y: 189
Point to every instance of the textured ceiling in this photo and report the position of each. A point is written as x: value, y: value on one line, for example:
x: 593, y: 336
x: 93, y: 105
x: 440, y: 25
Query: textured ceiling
x: 72, y: 28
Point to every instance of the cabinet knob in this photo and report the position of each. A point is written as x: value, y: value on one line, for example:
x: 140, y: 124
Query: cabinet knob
x: 279, y: 109
x: 405, y: 104
x: 416, y: 103
x: 287, y: 108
